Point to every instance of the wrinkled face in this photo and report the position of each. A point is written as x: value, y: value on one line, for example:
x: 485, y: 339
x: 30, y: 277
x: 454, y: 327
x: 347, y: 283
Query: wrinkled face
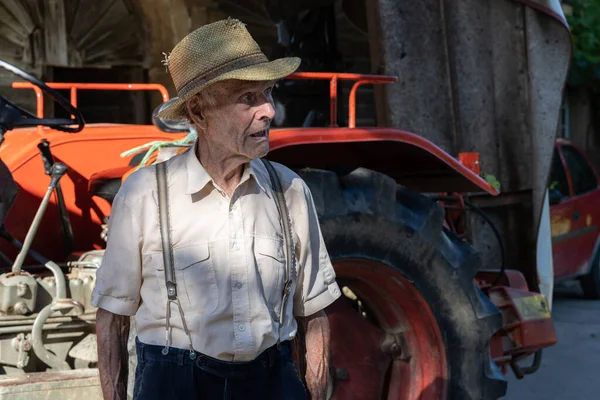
x: 237, y: 124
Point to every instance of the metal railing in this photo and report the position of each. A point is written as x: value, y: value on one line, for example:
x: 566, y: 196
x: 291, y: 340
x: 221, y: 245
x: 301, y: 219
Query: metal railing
x: 75, y: 87
x: 333, y: 77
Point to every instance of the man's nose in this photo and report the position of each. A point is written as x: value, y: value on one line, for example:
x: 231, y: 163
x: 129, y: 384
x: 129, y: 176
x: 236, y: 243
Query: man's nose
x: 266, y: 109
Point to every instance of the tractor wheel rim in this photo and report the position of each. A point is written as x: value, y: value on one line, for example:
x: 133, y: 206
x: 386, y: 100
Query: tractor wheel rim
x: 419, y: 371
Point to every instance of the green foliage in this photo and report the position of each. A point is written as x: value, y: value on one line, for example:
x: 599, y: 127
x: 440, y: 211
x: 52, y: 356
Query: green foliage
x: 491, y: 179
x: 584, y: 23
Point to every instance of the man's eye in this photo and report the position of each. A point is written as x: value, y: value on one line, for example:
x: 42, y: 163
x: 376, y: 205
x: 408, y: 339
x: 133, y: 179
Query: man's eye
x: 268, y: 91
x: 246, y: 98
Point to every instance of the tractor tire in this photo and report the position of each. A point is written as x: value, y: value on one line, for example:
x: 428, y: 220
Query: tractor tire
x: 413, y: 324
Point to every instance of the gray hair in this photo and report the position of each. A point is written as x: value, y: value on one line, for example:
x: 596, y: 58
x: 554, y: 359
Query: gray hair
x: 205, y: 98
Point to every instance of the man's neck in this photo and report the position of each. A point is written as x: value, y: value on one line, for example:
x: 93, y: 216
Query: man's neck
x: 224, y: 169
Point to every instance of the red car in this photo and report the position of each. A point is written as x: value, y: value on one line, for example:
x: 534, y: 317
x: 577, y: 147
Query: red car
x: 575, y: 218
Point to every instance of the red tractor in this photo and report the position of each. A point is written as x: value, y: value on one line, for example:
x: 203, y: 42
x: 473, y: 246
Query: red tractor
x: 421, y: 317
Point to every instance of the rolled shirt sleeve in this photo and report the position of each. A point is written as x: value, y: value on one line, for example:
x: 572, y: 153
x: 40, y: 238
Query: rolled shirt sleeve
x: 316, y: 287
x: 119, y: 278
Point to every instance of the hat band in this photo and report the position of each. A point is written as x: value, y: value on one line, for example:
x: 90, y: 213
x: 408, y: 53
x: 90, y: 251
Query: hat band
x: 241, y: 62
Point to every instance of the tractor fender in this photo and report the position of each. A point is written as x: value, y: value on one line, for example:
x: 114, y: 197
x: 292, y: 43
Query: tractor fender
x: 410, y: 159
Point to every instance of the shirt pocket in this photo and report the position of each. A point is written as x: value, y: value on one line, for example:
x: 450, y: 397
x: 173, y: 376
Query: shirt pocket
x: 270, y: 261
x: 195, y: 277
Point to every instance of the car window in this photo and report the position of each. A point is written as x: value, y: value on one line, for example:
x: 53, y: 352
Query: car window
x: 558, y: 177
x: 582, y: 175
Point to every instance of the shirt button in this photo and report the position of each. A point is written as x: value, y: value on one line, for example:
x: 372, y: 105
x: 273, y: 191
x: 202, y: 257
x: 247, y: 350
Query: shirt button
x: 242, y: 328
x: 238, y: 285
x: 236, y: 247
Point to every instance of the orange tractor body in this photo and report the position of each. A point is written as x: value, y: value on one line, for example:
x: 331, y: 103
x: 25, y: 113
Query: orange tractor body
x: 93, y: 157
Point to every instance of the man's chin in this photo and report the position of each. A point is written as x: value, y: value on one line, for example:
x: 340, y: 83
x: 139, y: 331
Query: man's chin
x: 261, y: 151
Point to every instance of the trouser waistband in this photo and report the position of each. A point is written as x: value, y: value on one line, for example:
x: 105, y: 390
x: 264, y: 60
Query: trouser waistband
x: 261, y: 364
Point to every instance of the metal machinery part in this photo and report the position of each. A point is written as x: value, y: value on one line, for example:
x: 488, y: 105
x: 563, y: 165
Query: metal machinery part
x: 40, y: 329
x: 18, y: 293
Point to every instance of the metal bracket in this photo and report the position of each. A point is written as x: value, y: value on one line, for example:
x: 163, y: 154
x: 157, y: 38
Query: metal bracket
x: 171, y: 291
x: 520, y: 372
x: 394, y: 344
x: 22, y: 344
x: 66, y: 305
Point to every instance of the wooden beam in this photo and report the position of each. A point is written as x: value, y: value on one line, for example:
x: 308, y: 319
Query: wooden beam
x: 21, y: 14
x: 11, y: 36
x: 7, y: 20
x: 55, y: 33
x: 10, y: 51
x: 34, y: 9
x: 37, y: 48
x: 86, y: 15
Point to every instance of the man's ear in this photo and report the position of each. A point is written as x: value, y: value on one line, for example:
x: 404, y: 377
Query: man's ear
x: 195, y: 112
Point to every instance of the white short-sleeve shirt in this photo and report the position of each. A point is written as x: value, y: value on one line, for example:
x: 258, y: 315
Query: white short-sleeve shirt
x: 228, y: 256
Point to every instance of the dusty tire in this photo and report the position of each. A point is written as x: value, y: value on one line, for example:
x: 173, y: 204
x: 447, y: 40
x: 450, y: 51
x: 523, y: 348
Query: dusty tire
x: 590, y: 283
x: 376, y: 233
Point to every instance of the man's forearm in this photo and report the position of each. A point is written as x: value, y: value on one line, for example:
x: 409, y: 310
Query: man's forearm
x: 317, y: 337
x: 112, y: 332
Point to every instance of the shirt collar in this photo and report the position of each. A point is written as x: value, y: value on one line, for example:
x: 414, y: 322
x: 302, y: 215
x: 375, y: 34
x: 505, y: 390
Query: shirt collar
x: 198, y: 177
x: 256, y: 169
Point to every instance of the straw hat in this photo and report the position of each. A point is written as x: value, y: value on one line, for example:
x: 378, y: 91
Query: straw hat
x: 215, y: 52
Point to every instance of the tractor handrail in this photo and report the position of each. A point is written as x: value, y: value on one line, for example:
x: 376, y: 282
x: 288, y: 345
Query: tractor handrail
x: 73, y: 87
x: 334, y: 77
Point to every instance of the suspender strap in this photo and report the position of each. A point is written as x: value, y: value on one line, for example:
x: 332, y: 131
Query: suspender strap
x: 165, y: 233
x: 284, y: 219
x: 167, y: 249
x: 165, y: 229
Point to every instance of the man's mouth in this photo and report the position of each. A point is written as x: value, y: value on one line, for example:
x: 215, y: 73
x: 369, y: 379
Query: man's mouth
x: 261, y: 134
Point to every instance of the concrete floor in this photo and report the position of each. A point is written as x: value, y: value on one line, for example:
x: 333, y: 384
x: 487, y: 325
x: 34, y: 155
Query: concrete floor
x: 570, y: 370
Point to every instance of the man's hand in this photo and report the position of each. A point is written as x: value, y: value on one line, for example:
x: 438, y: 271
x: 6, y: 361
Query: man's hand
x: 317, y: 336
x: 112, y: 332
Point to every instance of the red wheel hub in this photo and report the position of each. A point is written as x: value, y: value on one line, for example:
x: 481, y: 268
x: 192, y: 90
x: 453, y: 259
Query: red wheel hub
x: 397, y: 352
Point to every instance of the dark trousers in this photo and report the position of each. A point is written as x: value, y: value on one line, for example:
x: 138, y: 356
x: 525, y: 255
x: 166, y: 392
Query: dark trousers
x: 271, y: 376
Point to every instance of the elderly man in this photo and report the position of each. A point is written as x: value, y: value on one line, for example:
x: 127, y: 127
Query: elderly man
x: 206, y: 248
